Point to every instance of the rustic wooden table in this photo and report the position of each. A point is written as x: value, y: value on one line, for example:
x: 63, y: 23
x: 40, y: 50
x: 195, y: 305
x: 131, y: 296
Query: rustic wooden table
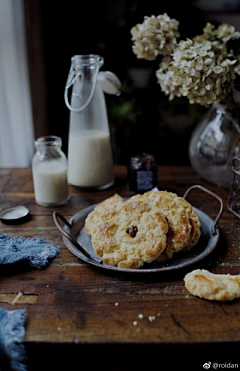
x: 84, y: 314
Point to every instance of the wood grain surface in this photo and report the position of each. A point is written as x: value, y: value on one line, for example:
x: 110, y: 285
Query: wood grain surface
x: 77, y: 308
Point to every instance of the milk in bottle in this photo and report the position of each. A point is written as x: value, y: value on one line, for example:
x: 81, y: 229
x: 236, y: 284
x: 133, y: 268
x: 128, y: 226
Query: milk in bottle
x: 90, y: 158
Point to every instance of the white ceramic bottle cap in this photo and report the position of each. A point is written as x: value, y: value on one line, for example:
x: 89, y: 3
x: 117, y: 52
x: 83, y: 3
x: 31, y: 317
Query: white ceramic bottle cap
x: 110, y: 82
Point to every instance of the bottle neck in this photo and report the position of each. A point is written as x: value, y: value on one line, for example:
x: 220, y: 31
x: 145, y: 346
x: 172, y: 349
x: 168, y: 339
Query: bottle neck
x: 82, y: 77
x: 90, y: 61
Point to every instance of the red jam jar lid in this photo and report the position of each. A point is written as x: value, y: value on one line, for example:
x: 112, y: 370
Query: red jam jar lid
x: 144, y: 161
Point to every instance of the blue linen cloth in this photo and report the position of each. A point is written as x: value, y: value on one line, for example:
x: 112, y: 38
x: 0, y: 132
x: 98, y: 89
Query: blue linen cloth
x: 37, y: 253
x: 18, y: 249
x: 12, y: 331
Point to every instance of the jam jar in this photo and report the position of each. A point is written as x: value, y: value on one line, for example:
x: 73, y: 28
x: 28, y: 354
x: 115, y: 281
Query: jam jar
x: 142, y: 173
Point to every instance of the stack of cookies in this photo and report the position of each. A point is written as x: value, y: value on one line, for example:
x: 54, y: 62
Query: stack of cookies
x: 143, y: 229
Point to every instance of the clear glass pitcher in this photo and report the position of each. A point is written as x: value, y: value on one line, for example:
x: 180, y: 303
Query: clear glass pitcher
x: 90, y: 158
x: 216, y: 140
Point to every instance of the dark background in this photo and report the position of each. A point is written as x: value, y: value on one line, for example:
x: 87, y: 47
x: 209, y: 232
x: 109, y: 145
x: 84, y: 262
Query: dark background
x: 141, y: 119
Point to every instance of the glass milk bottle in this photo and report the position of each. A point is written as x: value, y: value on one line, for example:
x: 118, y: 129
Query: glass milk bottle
x: 49, y: 167
x: 90, y: 158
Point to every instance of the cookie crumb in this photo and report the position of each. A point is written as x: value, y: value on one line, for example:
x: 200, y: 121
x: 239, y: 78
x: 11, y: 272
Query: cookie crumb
x: 140, y: 316
x: 116, y: 304
x: 135, y: 323
x: 151, y: 318
x: 18, y: 296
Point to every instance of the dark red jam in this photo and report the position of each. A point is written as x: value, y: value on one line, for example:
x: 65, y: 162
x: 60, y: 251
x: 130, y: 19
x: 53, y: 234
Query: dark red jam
x: 142, y: 173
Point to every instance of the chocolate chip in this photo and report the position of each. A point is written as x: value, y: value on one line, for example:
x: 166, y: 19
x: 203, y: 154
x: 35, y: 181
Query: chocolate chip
x: 132, y: 231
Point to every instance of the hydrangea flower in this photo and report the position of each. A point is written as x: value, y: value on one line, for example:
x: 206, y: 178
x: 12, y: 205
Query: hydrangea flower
x: 202, y: 69
x: 197, y: 71
x: 155, y: 36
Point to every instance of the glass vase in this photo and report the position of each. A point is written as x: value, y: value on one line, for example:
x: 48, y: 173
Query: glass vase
x: 216, y: 140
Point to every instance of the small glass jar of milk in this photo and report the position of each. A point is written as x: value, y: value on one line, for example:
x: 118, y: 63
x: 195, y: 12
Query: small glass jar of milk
x: 49, y: 168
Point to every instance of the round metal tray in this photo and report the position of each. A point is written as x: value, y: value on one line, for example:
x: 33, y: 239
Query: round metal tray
x: 79, y: 242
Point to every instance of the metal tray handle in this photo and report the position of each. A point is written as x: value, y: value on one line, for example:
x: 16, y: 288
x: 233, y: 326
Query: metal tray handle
x: 56, y: 216
x: 214, y: 226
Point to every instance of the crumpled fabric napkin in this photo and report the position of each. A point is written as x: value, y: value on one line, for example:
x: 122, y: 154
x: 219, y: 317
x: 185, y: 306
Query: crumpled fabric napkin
x: 36, y: 252
x: 18, y: 249
x: 12, y: 331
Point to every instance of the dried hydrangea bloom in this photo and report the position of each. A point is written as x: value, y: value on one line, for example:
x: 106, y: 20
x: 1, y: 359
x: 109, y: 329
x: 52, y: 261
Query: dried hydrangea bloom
x: 201, y: 71
x: 169, y: 81
x: 223, y: 33
x: 155, y: 36
x: 237, y: 65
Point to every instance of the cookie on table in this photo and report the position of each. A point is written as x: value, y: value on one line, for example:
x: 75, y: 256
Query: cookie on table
x: 206, y: 285
x: 130, y: 235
